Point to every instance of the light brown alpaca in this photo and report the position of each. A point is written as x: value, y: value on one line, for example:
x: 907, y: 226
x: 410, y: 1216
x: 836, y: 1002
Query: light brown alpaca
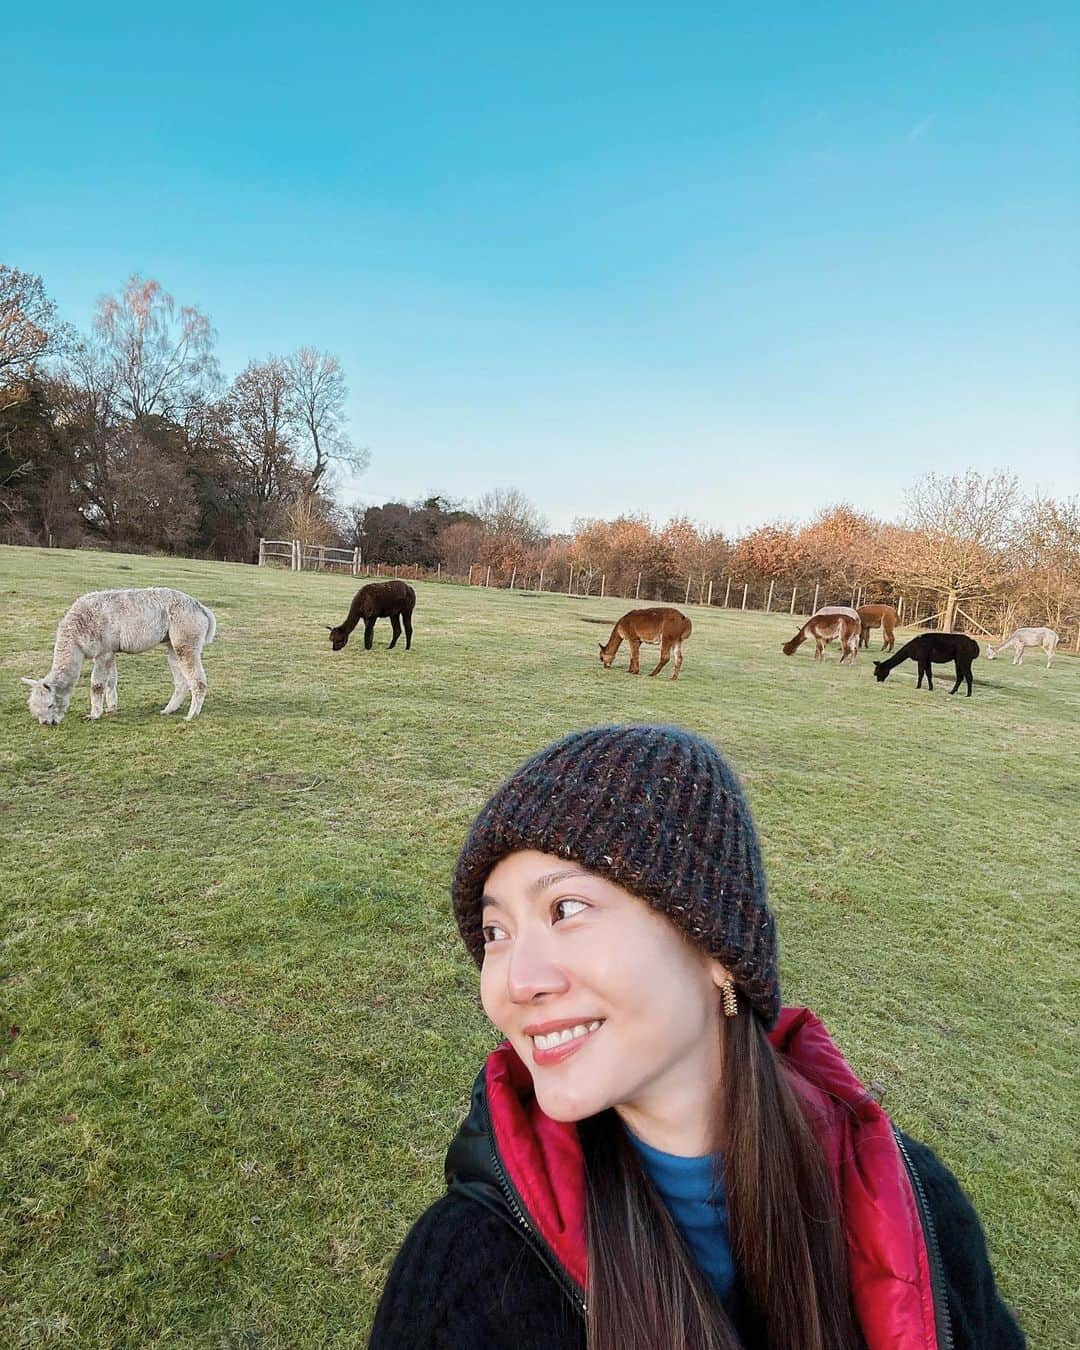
x: 878, y: 616
x: 669, y: 627
x: 833, y: 622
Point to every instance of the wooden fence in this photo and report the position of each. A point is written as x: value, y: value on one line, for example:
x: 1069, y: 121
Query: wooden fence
x: 919, y: 609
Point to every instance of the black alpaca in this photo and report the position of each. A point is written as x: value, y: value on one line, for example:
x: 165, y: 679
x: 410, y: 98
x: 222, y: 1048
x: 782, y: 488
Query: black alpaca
x: 393, y: 600
x: 931, y: 647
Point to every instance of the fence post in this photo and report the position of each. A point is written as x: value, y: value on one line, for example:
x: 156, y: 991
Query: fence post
x: 900, y: 609
x: 768, y: 602
x: 689, y: 579
x: 297, y: 560
x: 1078, y: 639
x: 513, y: 577
x: 603, y: 579
x: 745, y: 588
x: 262, y: 552
x: 570, y: 583
x: 540, y: 585
x: 794, y: 593
x: 637, y: 593
x: 487, y: 577
x: 727, y: 592
x: 438, y: 571
x: 709, y: 600
x: 816, y: 589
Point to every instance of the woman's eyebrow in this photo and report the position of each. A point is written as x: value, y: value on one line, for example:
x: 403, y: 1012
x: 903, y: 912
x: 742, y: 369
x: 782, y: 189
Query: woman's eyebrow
x: 553, y: 878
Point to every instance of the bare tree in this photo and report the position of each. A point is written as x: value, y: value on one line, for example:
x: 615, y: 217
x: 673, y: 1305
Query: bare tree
x: 28, y: 328
x: 512, y: 526
x: 260, y: 439
x: 156, y: 357
x: 318, y: 392
x: 958, y: 530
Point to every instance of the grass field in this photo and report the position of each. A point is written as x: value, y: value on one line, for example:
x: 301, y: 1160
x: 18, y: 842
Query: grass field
x: 237, y: 1029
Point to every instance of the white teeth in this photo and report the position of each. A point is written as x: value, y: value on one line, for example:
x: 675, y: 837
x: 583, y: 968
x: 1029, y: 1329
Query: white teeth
x: 554, y: 1038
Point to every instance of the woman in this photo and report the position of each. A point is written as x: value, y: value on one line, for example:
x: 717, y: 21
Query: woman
x: 658, y: 1156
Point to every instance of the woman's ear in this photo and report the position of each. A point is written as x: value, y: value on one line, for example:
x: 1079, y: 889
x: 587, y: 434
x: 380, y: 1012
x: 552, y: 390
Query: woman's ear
x: 720, y: 973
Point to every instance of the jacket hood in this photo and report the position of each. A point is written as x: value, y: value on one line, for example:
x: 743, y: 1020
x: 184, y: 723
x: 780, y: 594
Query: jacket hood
x: 512, y: 1157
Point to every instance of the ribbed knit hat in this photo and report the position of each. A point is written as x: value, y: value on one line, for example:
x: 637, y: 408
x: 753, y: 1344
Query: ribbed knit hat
x: 658, y: 811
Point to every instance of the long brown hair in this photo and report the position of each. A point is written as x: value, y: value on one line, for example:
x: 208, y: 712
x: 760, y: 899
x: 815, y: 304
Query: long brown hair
x: 645, y: 1290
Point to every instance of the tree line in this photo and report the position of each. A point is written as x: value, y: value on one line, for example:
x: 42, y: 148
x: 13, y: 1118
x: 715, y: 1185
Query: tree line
x: 128, y: 437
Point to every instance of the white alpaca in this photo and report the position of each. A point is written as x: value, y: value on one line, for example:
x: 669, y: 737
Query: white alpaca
x: 102, y: 623
x: 1045, y: 638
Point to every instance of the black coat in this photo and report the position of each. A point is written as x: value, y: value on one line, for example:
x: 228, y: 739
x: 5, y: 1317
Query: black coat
x: 467, y: 1278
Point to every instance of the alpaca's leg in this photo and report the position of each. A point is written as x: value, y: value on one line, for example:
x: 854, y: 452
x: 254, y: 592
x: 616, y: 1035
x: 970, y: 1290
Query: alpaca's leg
x: 406, y: 619
x: 665, y: 653
x: 395, y: 624
x: 180, y: 684
x: 967, y: 677
x: 959, y: 676
x: 99, y: 672
x: 819, y: 649
x: 1049, y: 656
x: 1018, y: 659
x: 635, y: 647
x: 369, y: 633
x: 112, y: 679
x: 930, y: 677
x: 191, y: 667
x: 677, y: 651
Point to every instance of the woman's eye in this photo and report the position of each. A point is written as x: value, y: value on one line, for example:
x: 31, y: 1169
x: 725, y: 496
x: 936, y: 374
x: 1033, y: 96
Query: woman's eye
x: 492, y: 932
x: 566, y: 909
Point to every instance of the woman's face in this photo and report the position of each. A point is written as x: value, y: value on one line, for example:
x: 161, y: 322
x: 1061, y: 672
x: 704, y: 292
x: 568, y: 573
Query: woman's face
x: 604, y: 1000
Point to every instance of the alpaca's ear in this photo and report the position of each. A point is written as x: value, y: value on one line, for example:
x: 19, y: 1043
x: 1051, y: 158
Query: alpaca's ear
x: 328, y: 628
x: 26, y: 680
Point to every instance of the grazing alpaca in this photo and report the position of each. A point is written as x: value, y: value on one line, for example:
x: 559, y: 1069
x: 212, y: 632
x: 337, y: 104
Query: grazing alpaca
x: 393, y: 600
x: 878, y: 616
x: 827, y: 624
x: 102, y: 623
x: 931, y: 647
x: 669, y: 627
x: 1020, y: 638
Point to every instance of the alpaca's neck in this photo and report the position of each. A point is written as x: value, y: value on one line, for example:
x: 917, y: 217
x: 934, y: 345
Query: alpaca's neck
x: 67, y: 663
x: 353, y: 617
x: 614, y: 642
x: 895, y: 659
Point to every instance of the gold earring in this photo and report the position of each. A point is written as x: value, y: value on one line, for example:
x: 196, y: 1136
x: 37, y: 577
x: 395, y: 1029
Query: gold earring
x: 731, y: 1003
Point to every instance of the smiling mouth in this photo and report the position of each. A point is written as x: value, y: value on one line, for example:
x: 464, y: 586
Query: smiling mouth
x: 554, y: 1046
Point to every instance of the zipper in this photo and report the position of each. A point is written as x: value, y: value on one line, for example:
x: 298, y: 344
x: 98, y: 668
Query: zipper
x: 937, y: 1269
x: 535, y: 1240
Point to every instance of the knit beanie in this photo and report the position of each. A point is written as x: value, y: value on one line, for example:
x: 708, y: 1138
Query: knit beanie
x: 658, y: 811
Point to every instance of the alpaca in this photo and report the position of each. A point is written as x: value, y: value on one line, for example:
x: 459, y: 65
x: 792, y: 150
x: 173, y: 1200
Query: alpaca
x: 931, y: 647
x: 393, y: 600
x: 874, y: 616
x: 102, y: 623
x: 669, y: 627
x: 827, y: 623
x: 1020, y: 638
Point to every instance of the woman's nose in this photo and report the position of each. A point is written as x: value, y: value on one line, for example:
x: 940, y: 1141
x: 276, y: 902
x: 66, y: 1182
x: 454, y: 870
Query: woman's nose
x: 532, y: 971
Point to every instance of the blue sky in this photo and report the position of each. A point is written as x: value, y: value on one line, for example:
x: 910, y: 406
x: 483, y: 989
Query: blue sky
x: 676, y: 258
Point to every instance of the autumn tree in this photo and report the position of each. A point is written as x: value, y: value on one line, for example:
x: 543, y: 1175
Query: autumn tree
x: 769, y: 553
x: 155, y: 357
x: 29, y: 330
x: 1047, y: 576
x: 957, y: 530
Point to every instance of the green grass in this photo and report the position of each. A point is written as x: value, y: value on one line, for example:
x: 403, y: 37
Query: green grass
x: 245, y: 1030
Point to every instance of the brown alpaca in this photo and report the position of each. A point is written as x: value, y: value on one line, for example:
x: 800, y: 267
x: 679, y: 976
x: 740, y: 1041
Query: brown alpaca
x: 393, y: 600
x: 834, y: 621
x: 668, y: 627
x: 878, y: 616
